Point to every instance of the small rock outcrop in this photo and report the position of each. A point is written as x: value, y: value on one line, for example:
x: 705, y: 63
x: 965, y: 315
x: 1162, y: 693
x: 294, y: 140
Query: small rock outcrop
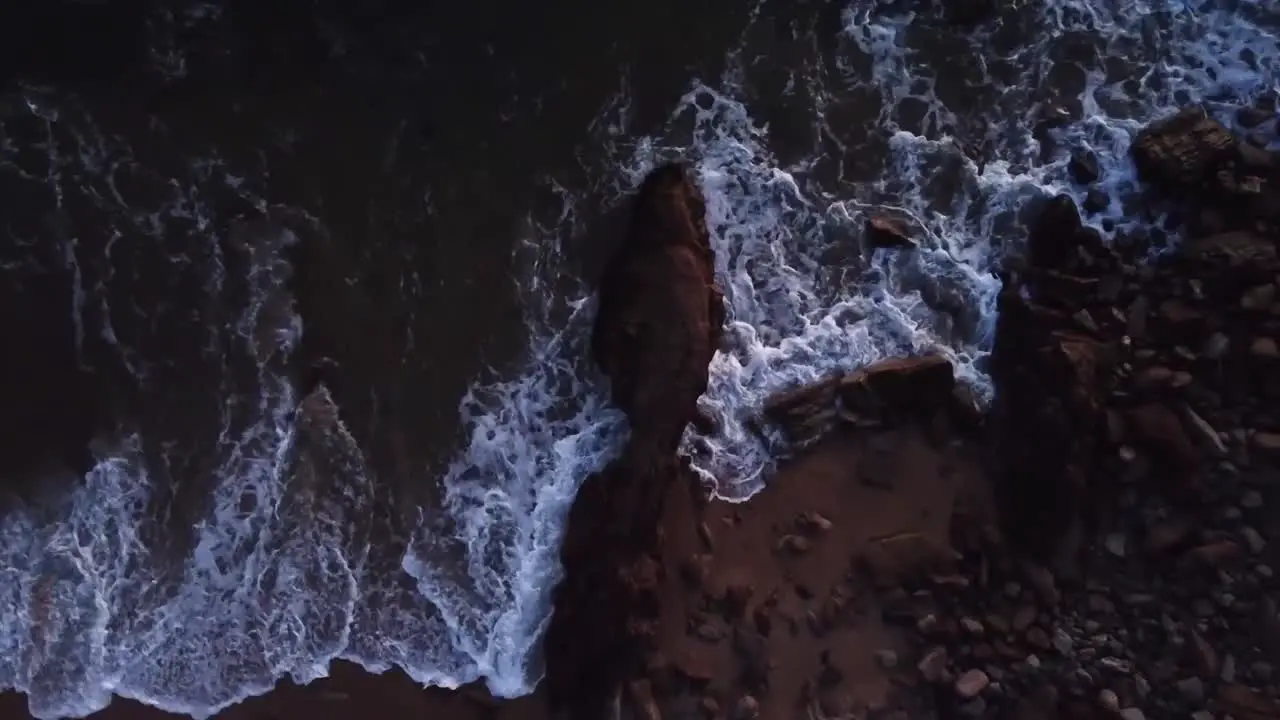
x: 658, y: 327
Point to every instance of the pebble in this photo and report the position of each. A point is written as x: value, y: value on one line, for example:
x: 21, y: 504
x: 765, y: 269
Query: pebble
x: 975, y: 708
x: 1132, y: 713
x: 1109, y: 701
x: 887, y: 659
x: 1216, y: 347
x: 972, y: 626
x: 1202, y: 715
x: 1251, y: 500
x: 973, y: 682
x: 1141, y: 685
x: 933, y: 664
x: 1062, y: 642
x: 1254, y: 540
x: 1024, y: 617
x: 1116, y: 544
x: 1192, y: 690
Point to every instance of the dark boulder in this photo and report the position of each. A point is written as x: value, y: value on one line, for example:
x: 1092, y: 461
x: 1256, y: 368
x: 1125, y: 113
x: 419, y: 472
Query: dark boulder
x: 658, y: 326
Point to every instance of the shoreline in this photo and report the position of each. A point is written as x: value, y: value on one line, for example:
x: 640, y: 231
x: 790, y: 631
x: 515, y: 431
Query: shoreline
x: 1095, y: 545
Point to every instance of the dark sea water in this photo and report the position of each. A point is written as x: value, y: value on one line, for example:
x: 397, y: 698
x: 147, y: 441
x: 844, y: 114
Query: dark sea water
x: 294, y: 294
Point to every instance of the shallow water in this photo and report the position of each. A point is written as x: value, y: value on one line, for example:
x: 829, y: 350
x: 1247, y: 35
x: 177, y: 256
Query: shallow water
x: 424, y: 197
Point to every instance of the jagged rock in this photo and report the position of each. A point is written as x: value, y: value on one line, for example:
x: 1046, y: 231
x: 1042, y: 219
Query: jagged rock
x: 894, y: 390
x: 661, y: 314
x: 892, y: 560
x: 883, y: 232
x: 1192, y: 157
x: 1083, y: 167
x: 806, y: 413
x: 900, y: 387
x: 1182, y: 152
x: 658, y: 326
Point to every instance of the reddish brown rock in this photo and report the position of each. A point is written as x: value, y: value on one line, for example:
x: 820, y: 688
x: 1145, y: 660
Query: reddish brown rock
x: 1193, y: 158
x: 660, y: 315
x: 884, y: 232
x: 658, y: 326
x: 1158, y: 429
x: 900, y: 387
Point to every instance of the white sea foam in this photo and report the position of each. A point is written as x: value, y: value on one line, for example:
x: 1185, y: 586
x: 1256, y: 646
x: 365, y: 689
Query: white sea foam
x: 278, y: 583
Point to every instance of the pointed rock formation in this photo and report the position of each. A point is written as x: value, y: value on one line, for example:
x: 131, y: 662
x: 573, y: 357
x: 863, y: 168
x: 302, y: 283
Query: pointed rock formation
x: 658, y: 327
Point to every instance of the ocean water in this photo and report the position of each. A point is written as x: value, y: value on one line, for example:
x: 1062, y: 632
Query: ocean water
x: 235, y: 525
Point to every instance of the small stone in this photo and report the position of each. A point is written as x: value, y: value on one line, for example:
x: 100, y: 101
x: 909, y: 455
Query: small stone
x: 1214, y: 554
x: 1141, y: 686
x: 887, y: 659
x: 1204, y: 430
x: 1228, y: 673
x: 1095, y: 200
x: 1039, y: 638
x: 1253, y: 539
x: 1202, y: 715
x: 927, y: 624
x: 1116, y: 544
x: 1192, y: 690
x: 1258, y: 298
x: 1132, y: 713
x: 1024, y: 617
x: 747, y: 708
x: 933, y: 665
x: 1264, y: 347
x: 1266, y: 442
x: 1062, y: 642
x: 1042, y: 580
x: 1251, y: 500
x: 1215, y: 348
x: 1083, y: 166
x: 972, y: 626
x: 794, y: 544
x: 1109, y: 701
x: 972, y: 683
x: 975, y: 708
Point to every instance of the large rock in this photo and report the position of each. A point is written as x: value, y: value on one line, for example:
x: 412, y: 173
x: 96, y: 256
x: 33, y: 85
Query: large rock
x: 893, y: 391
x: 1193, y: 158
x: 1052, y: 380
x: 658, y: 326
x: 900, y: 387
x: 1183, y: 152
x: 660, y: 314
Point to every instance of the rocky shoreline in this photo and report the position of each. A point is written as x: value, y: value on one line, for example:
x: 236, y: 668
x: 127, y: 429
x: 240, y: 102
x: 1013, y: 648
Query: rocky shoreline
x: 1109, y: 551
x: 1098, y: 544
